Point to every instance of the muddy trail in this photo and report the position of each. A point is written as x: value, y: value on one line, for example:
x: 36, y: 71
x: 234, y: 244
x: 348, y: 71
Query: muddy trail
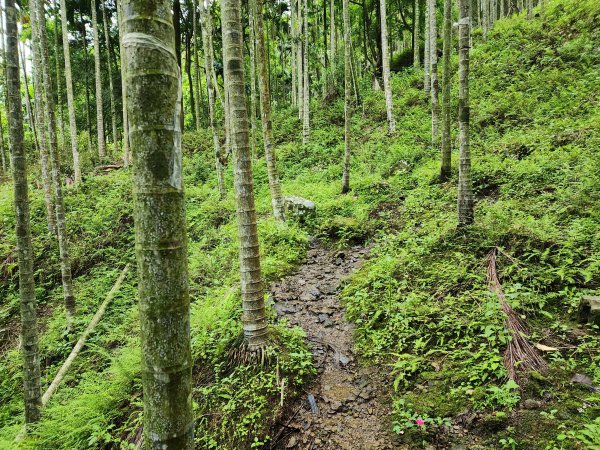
x: 345, y: 406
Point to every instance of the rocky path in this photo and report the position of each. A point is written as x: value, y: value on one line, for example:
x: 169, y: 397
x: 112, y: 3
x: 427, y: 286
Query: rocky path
x: 342, y: 409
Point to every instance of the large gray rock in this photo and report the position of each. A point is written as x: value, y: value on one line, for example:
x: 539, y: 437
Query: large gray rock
x: 299, y: 208
x: 589, y: 310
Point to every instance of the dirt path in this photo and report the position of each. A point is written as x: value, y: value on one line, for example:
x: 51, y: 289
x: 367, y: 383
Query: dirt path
x: 342, y: 407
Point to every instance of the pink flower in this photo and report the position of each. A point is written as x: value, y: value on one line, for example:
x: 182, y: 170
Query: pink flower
x: 420, y: 422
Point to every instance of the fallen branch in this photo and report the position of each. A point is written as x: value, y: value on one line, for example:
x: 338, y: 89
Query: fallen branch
x: 109, y: 167
x: 519, y: 353
x: 81, y: 342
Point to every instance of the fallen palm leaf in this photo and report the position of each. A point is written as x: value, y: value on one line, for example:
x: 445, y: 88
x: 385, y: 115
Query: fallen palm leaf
x: 519, y: 353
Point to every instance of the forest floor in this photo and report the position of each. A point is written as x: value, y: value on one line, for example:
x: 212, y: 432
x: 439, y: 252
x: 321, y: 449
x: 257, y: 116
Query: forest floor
x: 345, y: 406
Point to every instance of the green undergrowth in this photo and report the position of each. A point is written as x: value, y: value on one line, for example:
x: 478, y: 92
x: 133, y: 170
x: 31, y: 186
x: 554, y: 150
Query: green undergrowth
x: 422, y: 305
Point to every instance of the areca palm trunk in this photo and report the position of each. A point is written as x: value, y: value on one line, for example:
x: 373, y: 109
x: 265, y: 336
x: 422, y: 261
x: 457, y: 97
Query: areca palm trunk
x: 465, y: 182
x: 69, y: 89
x: 126, y: 151
x: 113, y: 102
x: 59, y: 96
x: 387, y: 86
x: 153, y: 90
x: 28, y: 106
x: 294, y: 51
x: 254, y: 315
x: 256, y: 8
x: 197, y: 82
x: 347, y: 96
x: 212, y: 111
x: 446, y: 78
x: 38, y: 91
x: 427, y: 56
x: 435, y: 88
x: 98, y: 78
x: 305, y: 81
x: 416, y: 22
x: 332, y: 45
x: 3, y: 155
x: 39, y: 36
x: 299, y: 60
x: 252, y: 56
x: 29, y: 336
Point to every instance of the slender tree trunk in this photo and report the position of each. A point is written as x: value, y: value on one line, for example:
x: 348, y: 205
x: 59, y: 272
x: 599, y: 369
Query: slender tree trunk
x: 188, y: 72
x: 29, y: 336
x: 300, y: 60
x: 28, y: 100
x: 416, y: 26
x: 486, y: 17
x: 252, y: 56
x: 69, y: 89
x: 347, y: 96
x: 208, y: 70
x: 465, y: 182
x: 39, y: 25
x: 427, y: 59
x: 197, y: 82
x: 98, y: 77
x: 254, y: 315
x: 113, y: 102
x: 529, y: 9
x: 435, y: 88
x: 387, y: 86
x: 153, y: 89
x: 256, y: 16
x: 332, y: 46
x: 38, y: 90
x: 88, y: 120
x: 5, y: 158
x: 294, y: 50
x: 126, y: 151
x: 3, y: 154
x: 446, y: 79
x: 59, y: 96
x: 502, y: 9
x: 306, y: 81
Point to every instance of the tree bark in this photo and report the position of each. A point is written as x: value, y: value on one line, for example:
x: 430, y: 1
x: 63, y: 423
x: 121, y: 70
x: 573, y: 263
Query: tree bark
x: 347, y: 96
x: 198, y: 107
x: 294, y: 51
x: 256, y: 8
x: 299, y: 61
x: 446, y: 166
x: 252, y: 56
x: 113, y: 102
x: 70, y: 94
x: 28, y: 100
x: 254, y: 315
x: 29, y: 336
x: 435, y: 87
x: 153, y: 91
x: 206, y: 20
x: 332, y: 46
x: 38, y: 24
x: 387, y: 86
x: 98, y: 78
x: 416, y: 26
x: 306, y: 81
x: 126, y: 150
x: 59, y: 96
x: 427, y: 58
x: 465, y: 182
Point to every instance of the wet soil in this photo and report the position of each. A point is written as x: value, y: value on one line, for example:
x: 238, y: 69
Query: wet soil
x: 345, y: 407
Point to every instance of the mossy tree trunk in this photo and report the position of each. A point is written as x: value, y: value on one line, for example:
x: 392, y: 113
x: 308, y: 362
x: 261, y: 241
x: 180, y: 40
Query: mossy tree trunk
x: 435, y: 87
x: 198, y: 102
x: 254, y: 315
x: 416, y: 26
x: 205, y: 19
x: 465, y: 182
x: 299, y: 60
x: 446, y: 166
x: 29, y: 336
x: 294, y: 51
x: 252, y: 56
x: 111, y: 89
x: 98, y: 78
x: 427, y: 56
x: 256, y: 8
x: 385, y: 57
x: 126, y: 151
x: 305, y: 81
x: 69, y: 89
x: 153, y: 92
x: 332, y: 46
x: 38, y: 23
x: 347, y: 95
